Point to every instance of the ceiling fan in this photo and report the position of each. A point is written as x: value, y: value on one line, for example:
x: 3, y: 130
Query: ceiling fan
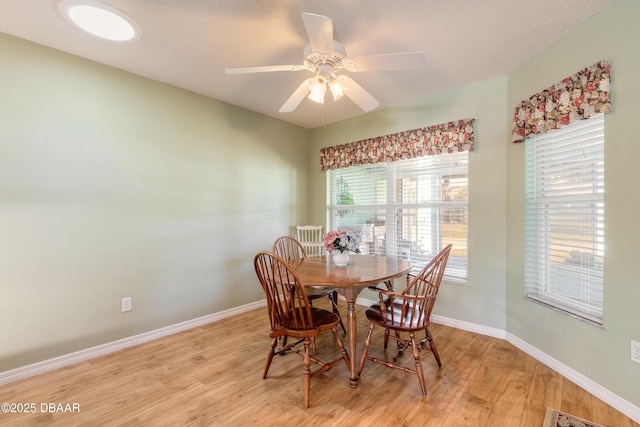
x: 324, y: 57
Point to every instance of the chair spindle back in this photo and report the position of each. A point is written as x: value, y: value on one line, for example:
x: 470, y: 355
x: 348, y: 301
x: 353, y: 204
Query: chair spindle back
x: 287, y: 301
x: 310, y: 236
x: 289, y: 248
x: 419, y: 296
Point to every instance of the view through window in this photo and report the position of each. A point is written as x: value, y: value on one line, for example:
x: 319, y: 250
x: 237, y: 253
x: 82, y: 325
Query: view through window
x: 410, y: 208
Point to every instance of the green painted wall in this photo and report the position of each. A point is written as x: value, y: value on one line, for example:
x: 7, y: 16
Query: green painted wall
x: 482, y: 302
x: 495, y: 299
x: 602, y: 354
x: 112, y: 185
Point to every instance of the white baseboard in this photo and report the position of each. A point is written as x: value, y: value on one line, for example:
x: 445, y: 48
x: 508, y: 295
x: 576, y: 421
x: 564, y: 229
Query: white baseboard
x: 591, y: 386
x: 89, y: 353
x: 612, y: 399
x: 454, y: 323
x: 467, y: 326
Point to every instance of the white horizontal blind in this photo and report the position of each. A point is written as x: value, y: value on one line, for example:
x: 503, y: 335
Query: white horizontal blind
x: 564, y: 218
x: 410, y: 208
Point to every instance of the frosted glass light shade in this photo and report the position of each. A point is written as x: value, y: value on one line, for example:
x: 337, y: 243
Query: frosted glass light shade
x: 318, y: 87
x: 100, y: 20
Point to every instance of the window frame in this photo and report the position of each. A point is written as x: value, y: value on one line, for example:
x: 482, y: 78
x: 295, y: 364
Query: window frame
x: 564, y: 219
x: 388, y: 180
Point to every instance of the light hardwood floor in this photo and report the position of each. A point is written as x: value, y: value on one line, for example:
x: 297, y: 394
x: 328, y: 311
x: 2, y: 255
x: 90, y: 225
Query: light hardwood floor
x: 212, y: 376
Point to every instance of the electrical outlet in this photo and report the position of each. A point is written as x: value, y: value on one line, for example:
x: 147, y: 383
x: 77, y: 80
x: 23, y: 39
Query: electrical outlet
x: 126, y: 304
x: 635, y: 351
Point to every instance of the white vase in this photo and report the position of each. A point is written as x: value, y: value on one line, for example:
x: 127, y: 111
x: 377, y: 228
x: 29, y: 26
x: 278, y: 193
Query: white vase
x: 340, y: 258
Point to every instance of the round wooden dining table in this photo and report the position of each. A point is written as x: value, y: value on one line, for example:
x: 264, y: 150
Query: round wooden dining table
x: 360, y: 272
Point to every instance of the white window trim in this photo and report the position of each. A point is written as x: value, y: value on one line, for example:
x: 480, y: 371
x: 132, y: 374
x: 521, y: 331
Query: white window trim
x: 557, y: 182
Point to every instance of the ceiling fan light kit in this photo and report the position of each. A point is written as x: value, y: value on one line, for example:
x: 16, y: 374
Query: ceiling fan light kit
x: 324, y: 57
x: 338, y: 87
x: 324, y: 77
x: 318, y: 87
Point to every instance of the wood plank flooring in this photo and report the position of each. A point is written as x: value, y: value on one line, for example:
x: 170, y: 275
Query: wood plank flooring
x: 212, y: 376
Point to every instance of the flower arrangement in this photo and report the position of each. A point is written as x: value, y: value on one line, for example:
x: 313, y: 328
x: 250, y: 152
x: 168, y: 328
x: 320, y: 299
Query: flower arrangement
x: 342, y: 240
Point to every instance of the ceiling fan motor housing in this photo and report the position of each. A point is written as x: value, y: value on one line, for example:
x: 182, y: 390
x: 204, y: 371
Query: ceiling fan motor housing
x: 316, y: 60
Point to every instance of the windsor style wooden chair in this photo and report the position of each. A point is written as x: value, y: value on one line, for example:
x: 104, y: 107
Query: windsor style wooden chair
x: 407, y: 312
x: 291, y: 315
x: 291, y: 249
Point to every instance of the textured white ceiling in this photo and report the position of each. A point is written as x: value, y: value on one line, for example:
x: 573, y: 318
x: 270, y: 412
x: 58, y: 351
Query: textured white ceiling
x: 188, y: 44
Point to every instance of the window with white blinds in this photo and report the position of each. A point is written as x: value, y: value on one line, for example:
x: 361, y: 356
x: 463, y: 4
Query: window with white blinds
x: 564, y: 218
x: 409, y: 208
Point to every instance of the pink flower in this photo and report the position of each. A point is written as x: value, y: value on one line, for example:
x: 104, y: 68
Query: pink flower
x: 342, y: 240
x: 330, y: 238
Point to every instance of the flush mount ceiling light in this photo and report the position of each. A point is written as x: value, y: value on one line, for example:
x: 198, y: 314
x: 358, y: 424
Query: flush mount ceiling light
x: 100, y: 20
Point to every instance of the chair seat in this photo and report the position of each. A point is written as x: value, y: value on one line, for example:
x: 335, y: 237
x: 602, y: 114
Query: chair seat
x: 322, y: 320
x: 317, y: 292
x: 394, y: 320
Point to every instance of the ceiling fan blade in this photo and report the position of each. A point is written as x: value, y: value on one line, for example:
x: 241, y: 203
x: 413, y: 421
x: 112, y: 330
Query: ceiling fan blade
x: 296, y: 98
x: 320, y: 32
x: 359, y: 96
x: 387, y: 62
x: 263, y: 69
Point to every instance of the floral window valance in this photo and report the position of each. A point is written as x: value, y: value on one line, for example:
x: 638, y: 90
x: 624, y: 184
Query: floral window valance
x: 445, y: 138
x: 575, y: 98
